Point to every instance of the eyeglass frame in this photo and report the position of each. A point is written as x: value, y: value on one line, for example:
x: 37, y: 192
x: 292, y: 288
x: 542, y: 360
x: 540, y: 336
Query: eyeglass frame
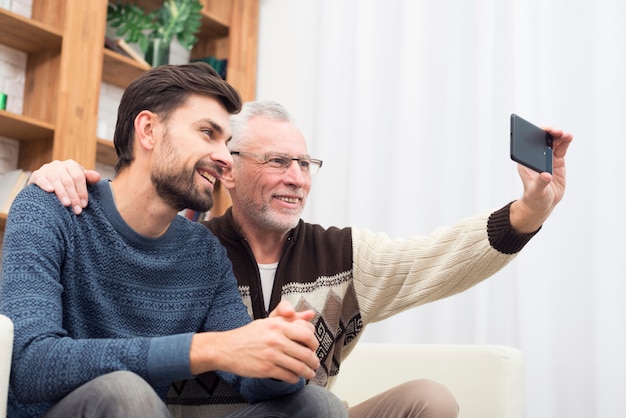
x: 266, y: 159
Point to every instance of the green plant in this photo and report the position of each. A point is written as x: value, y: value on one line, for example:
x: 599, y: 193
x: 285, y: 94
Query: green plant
x: 176, y: 18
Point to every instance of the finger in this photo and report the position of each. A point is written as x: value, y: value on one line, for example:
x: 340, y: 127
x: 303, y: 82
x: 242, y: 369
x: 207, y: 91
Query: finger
x: 544, y: 179
x: 299, y: 361
x: 302, y: 332
x: 305, y: 315
x: 285, y: 375
x: 48, y: 173
x: 310, y: 361
x: 74, y: 183
x: 525, y: 173
x: 81, y: 178
x: 561, y: 145
x: 291, y: 315
x: 283, y: 309
x: 81, y: 182
x: 52, y: 182
x: 92, y: 176
x: 42, y: 181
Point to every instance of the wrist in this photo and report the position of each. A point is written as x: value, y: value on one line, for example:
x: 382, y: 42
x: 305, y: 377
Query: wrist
x: 202, y: 355
x: 524, y: 219
x: 502, y: 236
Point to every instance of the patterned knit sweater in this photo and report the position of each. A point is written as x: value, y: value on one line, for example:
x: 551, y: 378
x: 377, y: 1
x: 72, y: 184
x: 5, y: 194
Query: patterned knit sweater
x: 88, y: 296
x: 352, y: 278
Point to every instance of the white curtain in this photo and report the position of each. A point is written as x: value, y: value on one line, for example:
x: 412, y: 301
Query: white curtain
x: 408, y: 104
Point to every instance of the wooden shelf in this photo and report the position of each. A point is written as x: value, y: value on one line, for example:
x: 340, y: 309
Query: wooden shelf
x: 120, y: 70
x: 67, y: 63
x: 24, y: 128
x: 27, y: 35
x: 105, y: 152
x: 213, y: 26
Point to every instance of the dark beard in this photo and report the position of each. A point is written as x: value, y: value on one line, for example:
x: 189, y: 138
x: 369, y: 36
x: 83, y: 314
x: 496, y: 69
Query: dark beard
x: 180, y: 192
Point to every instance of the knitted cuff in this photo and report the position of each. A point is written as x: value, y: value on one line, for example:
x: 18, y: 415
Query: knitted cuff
x: 502, y: 236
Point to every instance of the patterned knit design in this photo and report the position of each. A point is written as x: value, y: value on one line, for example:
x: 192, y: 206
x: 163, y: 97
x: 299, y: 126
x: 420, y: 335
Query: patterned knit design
x: 89, y: 296
x: 337, y: 318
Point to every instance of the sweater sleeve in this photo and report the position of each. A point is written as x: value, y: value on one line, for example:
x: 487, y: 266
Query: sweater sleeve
x: 391, y: 276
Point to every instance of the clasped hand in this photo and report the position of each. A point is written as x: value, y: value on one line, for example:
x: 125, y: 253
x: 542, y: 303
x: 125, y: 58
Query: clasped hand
x: 281, y: 346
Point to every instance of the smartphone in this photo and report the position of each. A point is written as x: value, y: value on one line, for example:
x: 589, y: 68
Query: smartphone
x: 531, y: 146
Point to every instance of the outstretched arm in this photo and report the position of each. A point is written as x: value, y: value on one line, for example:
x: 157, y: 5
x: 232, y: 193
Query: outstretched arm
x: 68, y: 180
x: 542, y: 191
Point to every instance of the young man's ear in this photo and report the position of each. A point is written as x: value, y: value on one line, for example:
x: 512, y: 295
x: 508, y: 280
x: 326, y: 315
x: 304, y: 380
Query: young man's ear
x: 145, y: 125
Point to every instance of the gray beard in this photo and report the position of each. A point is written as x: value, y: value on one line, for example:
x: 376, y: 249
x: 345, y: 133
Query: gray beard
x: 281, y: 222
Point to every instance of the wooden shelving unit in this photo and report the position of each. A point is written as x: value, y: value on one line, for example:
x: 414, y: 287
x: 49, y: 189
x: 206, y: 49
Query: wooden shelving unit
x: 24, y: 128
x: 120, y: 70
x: 67, y: 62
x: 27, y: 35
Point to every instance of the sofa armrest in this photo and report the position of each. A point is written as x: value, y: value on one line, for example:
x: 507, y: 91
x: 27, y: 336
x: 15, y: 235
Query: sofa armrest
x: 487, y: 380
x: 6, y: 349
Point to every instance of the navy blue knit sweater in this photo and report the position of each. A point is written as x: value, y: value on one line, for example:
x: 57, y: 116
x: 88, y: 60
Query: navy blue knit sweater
x: 88, y: 296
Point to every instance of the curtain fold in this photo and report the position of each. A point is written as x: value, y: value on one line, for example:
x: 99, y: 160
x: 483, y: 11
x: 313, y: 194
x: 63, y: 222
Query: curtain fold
x: 408, y: 104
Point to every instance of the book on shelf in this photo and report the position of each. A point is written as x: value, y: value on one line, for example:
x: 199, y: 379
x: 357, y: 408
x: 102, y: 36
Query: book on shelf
x: 10, y: 185
x: 131, y: 52
x: 110, y: 43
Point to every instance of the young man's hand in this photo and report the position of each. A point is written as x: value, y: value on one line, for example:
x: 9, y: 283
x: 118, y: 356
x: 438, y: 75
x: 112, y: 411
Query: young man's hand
x: 281, y: 346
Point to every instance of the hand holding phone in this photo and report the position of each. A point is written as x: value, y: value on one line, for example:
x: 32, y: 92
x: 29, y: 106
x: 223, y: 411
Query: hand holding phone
x: 531, y: 146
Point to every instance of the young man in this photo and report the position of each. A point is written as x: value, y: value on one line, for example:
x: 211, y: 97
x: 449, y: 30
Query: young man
x: 113, y: 306
x: 349, y: 277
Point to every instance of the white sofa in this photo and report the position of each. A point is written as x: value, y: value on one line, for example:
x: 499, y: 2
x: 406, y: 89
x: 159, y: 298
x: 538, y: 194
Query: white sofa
x: 6, y: 349
x: 487, y: 380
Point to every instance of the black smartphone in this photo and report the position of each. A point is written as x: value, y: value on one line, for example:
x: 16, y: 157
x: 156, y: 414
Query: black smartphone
x: 531, y: 146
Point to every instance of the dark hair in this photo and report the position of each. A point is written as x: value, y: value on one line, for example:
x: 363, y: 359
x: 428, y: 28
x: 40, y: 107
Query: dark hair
x: 162, y: 90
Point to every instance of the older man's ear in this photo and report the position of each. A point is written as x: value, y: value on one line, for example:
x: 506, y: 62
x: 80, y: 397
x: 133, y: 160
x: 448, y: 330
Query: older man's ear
x: 227, y: 178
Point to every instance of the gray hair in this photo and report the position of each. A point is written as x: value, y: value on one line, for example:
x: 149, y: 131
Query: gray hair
x: 265, y: 108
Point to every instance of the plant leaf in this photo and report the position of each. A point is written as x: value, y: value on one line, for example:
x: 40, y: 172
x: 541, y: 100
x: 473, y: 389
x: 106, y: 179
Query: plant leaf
x: 131, y: 22
x: 176, y: 18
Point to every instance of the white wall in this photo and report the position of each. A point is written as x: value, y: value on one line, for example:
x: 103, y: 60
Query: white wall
x: 408, y: 103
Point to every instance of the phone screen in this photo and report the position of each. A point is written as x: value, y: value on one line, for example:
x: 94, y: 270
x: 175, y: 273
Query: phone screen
x: 531, y: 146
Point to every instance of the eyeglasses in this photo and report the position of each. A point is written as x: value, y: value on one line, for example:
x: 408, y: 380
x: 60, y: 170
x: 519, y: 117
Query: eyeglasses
x: 281, y: 162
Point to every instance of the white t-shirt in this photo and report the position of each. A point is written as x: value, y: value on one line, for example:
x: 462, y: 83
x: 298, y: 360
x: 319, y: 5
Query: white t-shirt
x: 268, y: 272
